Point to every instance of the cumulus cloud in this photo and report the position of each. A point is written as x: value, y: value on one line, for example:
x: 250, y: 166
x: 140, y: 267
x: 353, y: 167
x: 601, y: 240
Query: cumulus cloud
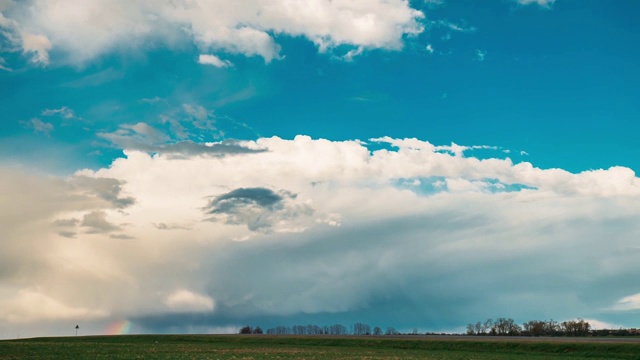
x: 38, y: 46
x: 97, y: 223
x: 628, y: 303
x: 428, y: 235
x: 258, y: 208
x: 34, y: 46
x: 599, y: 325
x: 187, y: 301
x: 84, y: 30
x: 213, y: 60
x: 40, y: 218
x: 429, y: 49
x: 52, y: 195
x: 107, y: 189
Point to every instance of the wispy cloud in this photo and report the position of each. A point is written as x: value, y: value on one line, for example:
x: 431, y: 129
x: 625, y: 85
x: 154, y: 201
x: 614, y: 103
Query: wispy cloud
x: 153, y: 100
x: 351, y: 54
x: 96, y: 79
x: 143, y: 137
x: 434, y: 3
x: 3, y: 65
x: 543, y: 3
x: 64, y: 112
x: 38, y: 126
x: 200, y: 117
x: 628, y: 303
x: 457, y: 27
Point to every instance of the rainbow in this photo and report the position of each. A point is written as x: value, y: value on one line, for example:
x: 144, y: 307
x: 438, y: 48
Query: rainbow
x: 122, y: 327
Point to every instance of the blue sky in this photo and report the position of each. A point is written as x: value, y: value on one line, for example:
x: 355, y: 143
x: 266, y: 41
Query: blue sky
x: 274, y: 133
x: 559, y: 83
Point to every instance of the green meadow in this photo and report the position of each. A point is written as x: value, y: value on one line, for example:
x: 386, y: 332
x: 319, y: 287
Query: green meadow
x: 292, y: 347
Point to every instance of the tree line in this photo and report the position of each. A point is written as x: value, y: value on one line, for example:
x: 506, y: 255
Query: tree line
x: 310, y: 329
x: 508, y: 327
x: 499, y: 327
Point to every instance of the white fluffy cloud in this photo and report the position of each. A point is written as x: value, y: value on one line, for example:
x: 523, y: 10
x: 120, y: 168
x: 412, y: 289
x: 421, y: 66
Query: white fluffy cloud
x: 38, y: 45
x: 627, y: 303
x: 84, y: 29
x: 323, y: 228
x: 187, y: 301
x: 214, y: 61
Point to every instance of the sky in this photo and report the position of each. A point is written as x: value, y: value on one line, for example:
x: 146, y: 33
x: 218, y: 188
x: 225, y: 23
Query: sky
x: 192, y: 166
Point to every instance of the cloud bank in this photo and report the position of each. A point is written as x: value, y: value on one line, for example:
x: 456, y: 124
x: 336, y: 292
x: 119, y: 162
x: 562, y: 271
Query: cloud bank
x: 83, y: 30
x: 322, y: 231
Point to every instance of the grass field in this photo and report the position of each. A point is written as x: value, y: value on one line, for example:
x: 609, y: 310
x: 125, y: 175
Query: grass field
x: 292, y: 347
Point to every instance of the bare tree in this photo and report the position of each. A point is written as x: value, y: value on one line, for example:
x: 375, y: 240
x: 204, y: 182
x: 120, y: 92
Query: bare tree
x: 487, y: 327
x: 471, y: 329
x: 361, y: 329
x: 576, y: 327
x: 392, y: 331
x: 506, y: 326
x: 337, y: 329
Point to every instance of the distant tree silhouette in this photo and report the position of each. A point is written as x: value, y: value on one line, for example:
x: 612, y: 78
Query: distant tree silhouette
x: 541, y: 328
x: 361, y: 329
x: 471, y: 329
x: 392, y: 331
x: 506, y: 326
x: 246, y: 330
x: 337, y: 329
x: 575, y: 327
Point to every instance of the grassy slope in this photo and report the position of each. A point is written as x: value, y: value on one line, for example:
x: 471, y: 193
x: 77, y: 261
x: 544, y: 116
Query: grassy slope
x: 290, y: 347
